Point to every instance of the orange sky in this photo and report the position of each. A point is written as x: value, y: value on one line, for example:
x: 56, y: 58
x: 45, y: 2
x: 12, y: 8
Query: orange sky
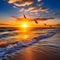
x: 30, y: 23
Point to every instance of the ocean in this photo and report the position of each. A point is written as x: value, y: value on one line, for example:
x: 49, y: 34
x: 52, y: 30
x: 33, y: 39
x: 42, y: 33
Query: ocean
x: 34, y: 44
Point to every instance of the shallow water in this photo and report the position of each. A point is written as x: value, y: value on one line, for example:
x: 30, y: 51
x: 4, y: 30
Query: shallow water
x: 12, y: 35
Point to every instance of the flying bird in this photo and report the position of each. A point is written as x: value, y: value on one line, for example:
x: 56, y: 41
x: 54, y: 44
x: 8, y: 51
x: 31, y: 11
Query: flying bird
x: 35, y: 19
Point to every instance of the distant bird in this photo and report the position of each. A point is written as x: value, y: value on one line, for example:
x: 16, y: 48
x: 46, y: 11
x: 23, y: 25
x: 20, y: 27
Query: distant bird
x: 35, y: 19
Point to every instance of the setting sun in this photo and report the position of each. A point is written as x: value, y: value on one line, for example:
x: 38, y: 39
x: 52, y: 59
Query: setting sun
x: 24, y: 25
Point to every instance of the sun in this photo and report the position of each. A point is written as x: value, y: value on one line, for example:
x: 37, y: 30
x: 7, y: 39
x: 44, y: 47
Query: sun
x: 24, y: 25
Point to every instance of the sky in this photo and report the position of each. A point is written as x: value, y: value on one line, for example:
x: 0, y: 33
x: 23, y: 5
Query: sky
x: 31, y: 8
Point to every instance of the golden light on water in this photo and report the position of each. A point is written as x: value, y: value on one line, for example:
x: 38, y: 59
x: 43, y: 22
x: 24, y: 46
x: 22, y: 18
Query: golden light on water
x: 25, y: 36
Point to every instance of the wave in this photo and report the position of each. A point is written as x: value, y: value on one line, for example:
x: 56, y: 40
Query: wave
x: 51, y: 44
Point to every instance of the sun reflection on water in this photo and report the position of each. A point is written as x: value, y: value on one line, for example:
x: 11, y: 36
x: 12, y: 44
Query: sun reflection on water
x: 25, y: 36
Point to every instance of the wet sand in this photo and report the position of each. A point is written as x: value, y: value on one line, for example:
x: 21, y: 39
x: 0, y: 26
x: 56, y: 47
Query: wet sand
x: 48, y: 49
x: 38, y: 52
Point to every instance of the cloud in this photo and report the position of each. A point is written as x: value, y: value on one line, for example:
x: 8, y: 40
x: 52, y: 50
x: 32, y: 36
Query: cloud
x: 43, y: 9
x: 39, y: 0
x: 12, y: 1
x: 20, y: 2
x: 14, y: 6
x: 31, y: 8
x: 22, y: 10
x: 40, y: 10
x: 23, y: 4
x: 35, y: 11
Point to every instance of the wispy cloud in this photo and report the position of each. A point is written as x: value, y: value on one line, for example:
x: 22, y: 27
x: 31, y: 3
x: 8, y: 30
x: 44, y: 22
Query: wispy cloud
x: 26, y: 6
x: 21, y: 2
x: 43, y: 9
x: 40, y: 10
x: 12, y: 1
x: 39, y: 0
